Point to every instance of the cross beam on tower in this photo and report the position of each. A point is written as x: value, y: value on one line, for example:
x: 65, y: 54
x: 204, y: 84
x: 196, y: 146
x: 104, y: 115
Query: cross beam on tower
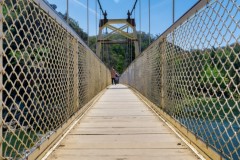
x: 108, y: 23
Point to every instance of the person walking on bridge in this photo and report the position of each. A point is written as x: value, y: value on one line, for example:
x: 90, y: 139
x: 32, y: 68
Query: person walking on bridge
x: 113, y: 75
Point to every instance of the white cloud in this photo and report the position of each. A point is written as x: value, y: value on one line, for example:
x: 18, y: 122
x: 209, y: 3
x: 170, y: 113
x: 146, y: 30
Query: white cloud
x: 116, y: 1
x: 84, y: 6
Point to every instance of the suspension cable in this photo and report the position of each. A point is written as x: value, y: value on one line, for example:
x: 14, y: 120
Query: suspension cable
x: 67, y: 13
x: 100, y: 6
x: 173, y: 11
x: 128, y: 53
x: 128, y: 49
x: 128, y: 57
x: 106, y: 47
x: 108, y: 59
x: 100, y: 54
x: 96, y: 17
x: 125, y: 58
x: 131, y: 49
x: 140, y: 27
x: 134, y: 6
x: 149, y: 22
x: 103, y: 50
x: 88, y: 22
x: 173, y: 16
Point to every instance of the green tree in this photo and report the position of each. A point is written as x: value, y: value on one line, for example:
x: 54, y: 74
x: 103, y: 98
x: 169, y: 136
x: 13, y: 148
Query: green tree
x: 73, y: 23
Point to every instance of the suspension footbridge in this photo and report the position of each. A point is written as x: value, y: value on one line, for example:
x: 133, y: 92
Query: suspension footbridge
x: 177, y: 99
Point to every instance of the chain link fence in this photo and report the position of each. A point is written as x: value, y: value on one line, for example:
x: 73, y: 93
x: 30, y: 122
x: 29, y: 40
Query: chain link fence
x: 192, y: 72
x: 46, y: 75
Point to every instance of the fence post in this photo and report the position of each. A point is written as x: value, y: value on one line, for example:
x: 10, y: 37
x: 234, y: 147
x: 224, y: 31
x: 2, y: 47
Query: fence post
x: 1, y: 75
x: 162, y: 52
x: 75, y: 72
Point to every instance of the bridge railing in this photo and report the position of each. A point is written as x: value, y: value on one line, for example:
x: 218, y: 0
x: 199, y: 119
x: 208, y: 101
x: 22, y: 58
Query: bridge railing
x: 47, y: 76
x: 192, y: 74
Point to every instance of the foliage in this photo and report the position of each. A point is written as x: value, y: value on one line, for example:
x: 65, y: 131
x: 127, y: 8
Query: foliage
x: 73, y: 23
x: 217, y: 79
x: 219, y: 70
x: 18, y: 138
x: 120, y: 55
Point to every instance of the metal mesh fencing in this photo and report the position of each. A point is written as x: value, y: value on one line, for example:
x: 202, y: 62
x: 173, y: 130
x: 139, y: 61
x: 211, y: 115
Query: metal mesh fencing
x: 46, y: 75
x: 192, y: 72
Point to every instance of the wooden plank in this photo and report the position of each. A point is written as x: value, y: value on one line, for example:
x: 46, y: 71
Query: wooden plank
x: 120, y: 131
x: 123, y: 154
x: 120, y: 126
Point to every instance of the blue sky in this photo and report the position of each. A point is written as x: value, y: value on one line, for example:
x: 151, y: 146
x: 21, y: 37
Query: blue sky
x: 161, y: 12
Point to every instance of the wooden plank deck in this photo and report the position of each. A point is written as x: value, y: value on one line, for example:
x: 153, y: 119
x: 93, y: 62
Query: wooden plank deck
x: 121, y: 127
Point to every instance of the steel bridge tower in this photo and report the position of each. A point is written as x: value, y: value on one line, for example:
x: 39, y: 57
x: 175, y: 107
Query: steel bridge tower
x: 108, y: 23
